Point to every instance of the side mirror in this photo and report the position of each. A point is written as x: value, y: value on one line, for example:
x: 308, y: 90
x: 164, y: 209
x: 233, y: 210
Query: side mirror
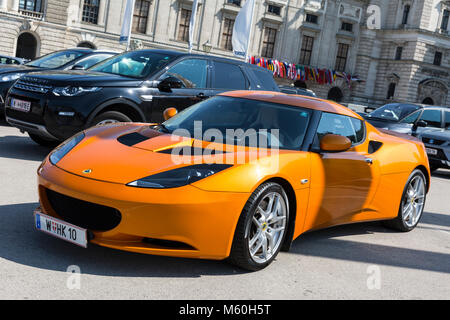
x: 334, y: 143
x: 169, y: 113
x: 170, y: 83
x: 78, y: 67
x: 420, y: 123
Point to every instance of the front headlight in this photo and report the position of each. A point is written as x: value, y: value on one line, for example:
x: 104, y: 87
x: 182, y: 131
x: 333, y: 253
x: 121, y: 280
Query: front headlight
x: 12, y: 77
x: 65, y: 148
x: 179, y: 177
x: 73, y: 91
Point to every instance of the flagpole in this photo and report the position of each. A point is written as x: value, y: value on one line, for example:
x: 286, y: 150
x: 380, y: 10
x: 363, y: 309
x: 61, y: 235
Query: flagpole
x: 131, y: 24
x: 250, y: 33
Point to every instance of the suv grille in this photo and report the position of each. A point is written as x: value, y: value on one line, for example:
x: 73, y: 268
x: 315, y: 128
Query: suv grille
x: 84, y: 214
x: 433, y: 141
x: 32, y: 86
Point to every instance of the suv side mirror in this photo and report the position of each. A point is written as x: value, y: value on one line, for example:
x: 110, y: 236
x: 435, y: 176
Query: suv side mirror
x: 170, y: 83
x: 78, y: 67
x: 334, y: 143
x: 169, y: 113
x: 420, y: 123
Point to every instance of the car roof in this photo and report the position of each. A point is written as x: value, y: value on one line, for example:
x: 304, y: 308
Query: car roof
x: 424, y: 106
x: 187, y: 54
x: 294, y: 100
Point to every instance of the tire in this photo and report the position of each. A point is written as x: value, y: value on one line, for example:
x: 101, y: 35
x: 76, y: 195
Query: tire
x: 109, y: 117
x: 407, y: 220
x: 271, y: 236
x: 44, y: 142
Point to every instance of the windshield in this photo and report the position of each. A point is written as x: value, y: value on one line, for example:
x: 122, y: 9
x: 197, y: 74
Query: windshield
x: 137, y: 64
x: 393, y: 111
x: 56, y: 59
x: 273, y: 125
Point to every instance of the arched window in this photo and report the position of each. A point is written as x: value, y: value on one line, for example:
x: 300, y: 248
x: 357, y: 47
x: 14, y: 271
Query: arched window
x: 335, y: 94
x: 428, y: 101
x: 26, y: 46
x: 406, y: 11
x: 86, y: 44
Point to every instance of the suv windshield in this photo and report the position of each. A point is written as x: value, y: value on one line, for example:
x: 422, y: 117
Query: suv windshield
x: 273, y: 125
x: 56, y: 59
x: 136, y: 64
x: 393, y: 111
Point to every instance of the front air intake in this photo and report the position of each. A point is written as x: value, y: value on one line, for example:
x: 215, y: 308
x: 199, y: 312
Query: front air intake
x: 84, y: 214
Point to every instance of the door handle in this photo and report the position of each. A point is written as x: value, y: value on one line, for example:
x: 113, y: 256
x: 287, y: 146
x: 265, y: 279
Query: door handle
x: 201, y: 95
x: 369, y: 160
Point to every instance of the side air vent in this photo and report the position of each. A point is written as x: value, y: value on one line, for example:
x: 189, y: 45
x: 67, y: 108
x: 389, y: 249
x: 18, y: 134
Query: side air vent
x: 374, y: 146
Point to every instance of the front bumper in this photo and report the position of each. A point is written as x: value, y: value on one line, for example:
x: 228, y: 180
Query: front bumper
x: 442, y: 158
x: 205, y: 221
x: 37, y: 129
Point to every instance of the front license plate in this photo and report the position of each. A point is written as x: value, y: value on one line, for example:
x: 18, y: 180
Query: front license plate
x: 24, y: 106
x: 60, y: 229
x: 431, y: 151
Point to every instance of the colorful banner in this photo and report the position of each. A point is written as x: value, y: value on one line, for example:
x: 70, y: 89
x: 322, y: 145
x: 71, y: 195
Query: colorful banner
x: 294, y: 71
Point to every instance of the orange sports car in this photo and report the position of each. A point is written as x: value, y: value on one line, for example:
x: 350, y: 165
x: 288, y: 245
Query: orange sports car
x: 238, y: 176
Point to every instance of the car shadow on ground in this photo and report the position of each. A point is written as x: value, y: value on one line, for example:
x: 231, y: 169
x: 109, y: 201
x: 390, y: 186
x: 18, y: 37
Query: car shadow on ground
x: 21, y: 243
x: 23, y: 148
x: 325, y: 243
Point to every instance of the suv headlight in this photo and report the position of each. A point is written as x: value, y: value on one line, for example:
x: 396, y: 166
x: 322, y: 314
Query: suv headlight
x: 65, y: 148
x: 71, y: 91
x: 179, y: 177
x: 12, y: 77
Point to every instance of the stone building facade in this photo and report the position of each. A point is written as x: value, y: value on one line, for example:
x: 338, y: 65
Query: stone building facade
x: 399, y: 48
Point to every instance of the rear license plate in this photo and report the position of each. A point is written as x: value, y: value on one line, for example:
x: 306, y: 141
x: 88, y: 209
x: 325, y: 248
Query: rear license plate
x: 60, y: 229
x: 20, y: 105
x: 431, y: 151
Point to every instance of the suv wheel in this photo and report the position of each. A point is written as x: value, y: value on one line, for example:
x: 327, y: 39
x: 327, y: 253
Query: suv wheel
x: 110, y: 117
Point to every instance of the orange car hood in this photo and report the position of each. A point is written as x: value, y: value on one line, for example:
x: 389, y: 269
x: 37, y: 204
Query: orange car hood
x: 112, y: 161
x: 107, y: 154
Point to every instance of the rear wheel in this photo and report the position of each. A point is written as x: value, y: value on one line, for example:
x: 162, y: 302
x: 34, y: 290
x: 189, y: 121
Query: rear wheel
x: 44, y: 142
x: 110, y: 117
x: 412, y: 204
x: 261, y: 228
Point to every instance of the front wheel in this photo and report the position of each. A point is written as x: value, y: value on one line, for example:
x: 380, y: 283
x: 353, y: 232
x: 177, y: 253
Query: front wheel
x: 261, y: 228
x: 412, y: 204
x: 110, y: 117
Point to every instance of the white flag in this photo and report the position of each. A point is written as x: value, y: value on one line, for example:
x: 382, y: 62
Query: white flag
x: 192, y: 24
x: 127, y: 22
x: 242, y: 29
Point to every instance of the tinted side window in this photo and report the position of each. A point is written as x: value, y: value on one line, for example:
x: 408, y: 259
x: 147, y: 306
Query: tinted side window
x: 228, y: 76
x: 411, y: 118
x: 191, y: 72
x: 266, y: 79
x: 432, y: 117
x: 351, y: 128
x: 447, y: 119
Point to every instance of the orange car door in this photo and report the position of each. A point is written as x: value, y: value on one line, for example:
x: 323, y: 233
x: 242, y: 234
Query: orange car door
x: 342, y: 183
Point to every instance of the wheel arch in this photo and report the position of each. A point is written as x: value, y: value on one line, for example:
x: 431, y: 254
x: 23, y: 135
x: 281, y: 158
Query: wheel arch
x: 290, y: 193
x: 125, y: 106
x: 426, y: 174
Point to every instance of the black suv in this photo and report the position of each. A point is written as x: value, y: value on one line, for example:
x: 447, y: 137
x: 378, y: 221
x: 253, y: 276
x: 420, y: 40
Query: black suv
x: 135, y: 86
x: 78, y: 58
